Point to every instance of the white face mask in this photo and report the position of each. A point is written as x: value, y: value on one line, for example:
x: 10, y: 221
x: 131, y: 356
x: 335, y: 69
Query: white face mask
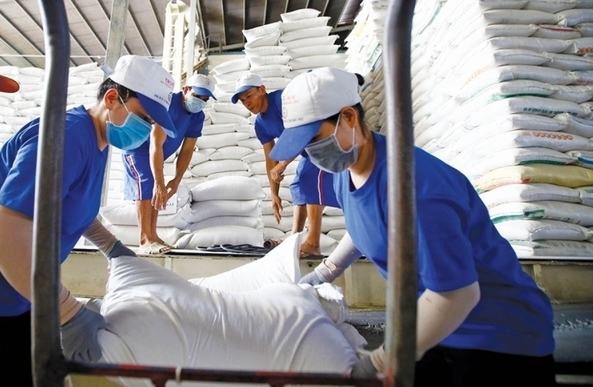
x: 328, y: 155
x: 194, y: 104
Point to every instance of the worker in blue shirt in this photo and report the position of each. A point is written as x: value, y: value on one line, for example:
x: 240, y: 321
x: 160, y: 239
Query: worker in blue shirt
x: 134, y: 97
x: 481, y: 318
x: 311, y: 189
x: 144, y: 178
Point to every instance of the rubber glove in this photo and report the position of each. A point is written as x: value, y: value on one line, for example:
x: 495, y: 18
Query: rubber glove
x: 119, y: 249
x: 312, y: 279
x: 79, y: 336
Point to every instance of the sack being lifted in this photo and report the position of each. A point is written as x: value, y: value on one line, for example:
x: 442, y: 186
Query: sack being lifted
x: 251, y: 318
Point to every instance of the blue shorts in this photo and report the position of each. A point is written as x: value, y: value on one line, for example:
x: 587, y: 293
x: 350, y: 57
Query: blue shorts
x: 312, y: 186
x: 138, y: 179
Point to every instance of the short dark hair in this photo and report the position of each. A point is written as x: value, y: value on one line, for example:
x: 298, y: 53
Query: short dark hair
x: 122, y: 90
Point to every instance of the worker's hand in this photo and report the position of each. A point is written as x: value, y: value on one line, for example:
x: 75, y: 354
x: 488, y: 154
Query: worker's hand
x: 159, y: 197
x: 364, y: 368
x: 277, y: 207
x: 312, y: 279
x: 119, y: 249
x: 277, y: 173
x: 171, y: 188
x: 79, y: 336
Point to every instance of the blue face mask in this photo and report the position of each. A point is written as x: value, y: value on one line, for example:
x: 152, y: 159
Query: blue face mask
x: 194, y: 104
x: 328, y: 155
x: 131, y: 134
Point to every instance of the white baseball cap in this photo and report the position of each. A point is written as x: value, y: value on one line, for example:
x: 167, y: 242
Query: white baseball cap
x: 308, y: 100
x: 245, y: 83
x: 8, y: 85
x: 201, y: 85
x: 153, y: 85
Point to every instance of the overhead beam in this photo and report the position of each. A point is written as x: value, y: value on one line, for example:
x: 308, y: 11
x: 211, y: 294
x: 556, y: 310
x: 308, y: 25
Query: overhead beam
x: 117, y: 27
x: 223, y: 35
x: 126, y: 50
x: 16, y: 52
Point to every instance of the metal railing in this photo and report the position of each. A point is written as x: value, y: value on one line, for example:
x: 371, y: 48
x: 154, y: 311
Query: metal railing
x: 50, y: 367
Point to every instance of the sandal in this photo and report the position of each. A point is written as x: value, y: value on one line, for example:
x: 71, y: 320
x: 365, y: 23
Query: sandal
x: 306, y: 255
x: 154, y: 248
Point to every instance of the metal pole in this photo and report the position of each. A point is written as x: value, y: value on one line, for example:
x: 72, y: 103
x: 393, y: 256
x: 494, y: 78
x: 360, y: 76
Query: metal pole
x: 48, y: 362
x: 400, y: 336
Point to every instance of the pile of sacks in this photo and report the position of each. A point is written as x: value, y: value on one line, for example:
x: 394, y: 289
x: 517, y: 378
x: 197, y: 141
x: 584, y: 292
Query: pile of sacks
x: 254, y: 317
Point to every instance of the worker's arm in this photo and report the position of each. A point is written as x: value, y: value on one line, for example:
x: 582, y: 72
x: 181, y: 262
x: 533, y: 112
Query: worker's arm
x: 274, y: 185
x: 439, y: 315
x: 157, y: 161
x: 79, y: 324
x: 105, y: 241
x: 181, y: 165
x: 344, y: 255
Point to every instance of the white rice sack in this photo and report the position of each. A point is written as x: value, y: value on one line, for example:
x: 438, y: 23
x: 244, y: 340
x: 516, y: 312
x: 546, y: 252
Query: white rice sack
x: 224, y: 207
x: 126, y: 215
x: 533, y: 230
x: 263, y: 51
x: 572, y: 17
x: 274, y: 70
x: 469, y: 136
x: 215, y: 141
x: 227, y: 118
x: 563, y: 175
x: 584, y: 77
x: 307, y: 42
x: 553, y: 248
x: 263, y: 30
x: 529, y: 192
x: 569, y: 62
x: 585, y: 195
x: 471, y: 86
x: 243, y: 221
x: 233, y: 152
x: 278, y: 266
x: 312, y: 32
x: 228, y: 188
x: 552, y: 6
x: 153, y: 318
x: 304, y: 13
x: 313, y: 61
x: 284, y: 225
x: 218, y: 175
x: 210, y: 167
x: 520, y: 16
x: 556, y: 32
x: 200, y: 156
x: 221, y: 235
x: 251, y: 142
x: 217, y: 129
x: 229, y: 107
x: 264, y: 40
x: 258, y: 61
x: 275, y: 83
x: 575, y: 125
x: 585, y: 29
x: 312, y: 50
x: 525, y: 104
x: 550, y: 210
x: 229, y: 77
x: 332, y: 222
x: 573, y: 93
x: 301, y: 24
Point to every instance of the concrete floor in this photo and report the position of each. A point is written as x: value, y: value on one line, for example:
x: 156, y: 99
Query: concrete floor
x: 573, y: 334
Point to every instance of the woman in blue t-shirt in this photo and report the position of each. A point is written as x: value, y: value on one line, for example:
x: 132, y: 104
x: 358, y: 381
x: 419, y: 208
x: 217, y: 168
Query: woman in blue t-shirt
x: 481, y: 318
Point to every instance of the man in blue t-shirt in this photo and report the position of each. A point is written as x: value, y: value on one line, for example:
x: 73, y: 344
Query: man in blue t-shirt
x: 481, y: 319
x: 144, y: 178
x: 134, y: 96
x: 311, y: 189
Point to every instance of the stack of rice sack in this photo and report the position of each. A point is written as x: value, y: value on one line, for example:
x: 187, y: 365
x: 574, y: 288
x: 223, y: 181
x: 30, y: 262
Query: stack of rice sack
x: 363, y: 56
x: 17, y: 109
x: 225, y: 210
x: 306, y: 37
x: 226, y: 74
x: 502, y: 90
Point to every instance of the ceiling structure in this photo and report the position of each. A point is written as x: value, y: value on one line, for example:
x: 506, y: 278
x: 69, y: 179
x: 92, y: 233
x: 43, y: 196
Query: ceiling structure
x: 220, y: 25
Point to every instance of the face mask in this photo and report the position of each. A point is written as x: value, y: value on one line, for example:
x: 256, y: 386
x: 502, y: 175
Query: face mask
x: 194, y: 104
x: 328, y: 156
x: 131, y: 134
